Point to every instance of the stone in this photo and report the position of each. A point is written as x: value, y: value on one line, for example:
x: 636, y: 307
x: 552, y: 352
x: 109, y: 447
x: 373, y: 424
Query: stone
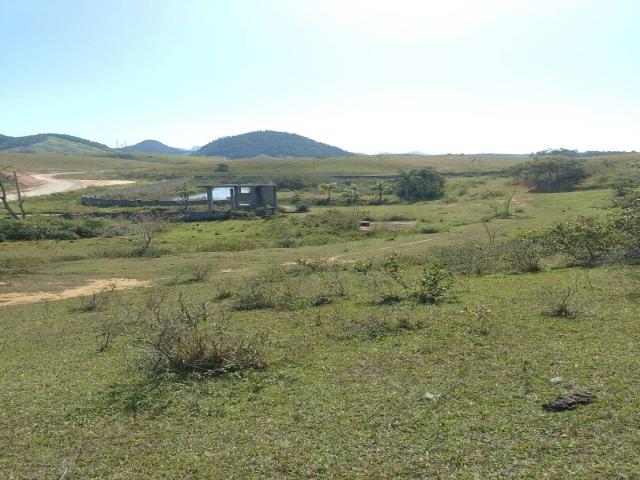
x: 569, y: 402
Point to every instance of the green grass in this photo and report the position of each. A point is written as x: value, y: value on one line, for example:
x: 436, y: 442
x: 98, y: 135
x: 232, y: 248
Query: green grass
x: 334, y: 406
x: 351, y: 388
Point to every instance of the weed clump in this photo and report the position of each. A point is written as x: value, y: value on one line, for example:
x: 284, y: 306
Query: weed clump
x: 376, y: 324
x: 190, y: 340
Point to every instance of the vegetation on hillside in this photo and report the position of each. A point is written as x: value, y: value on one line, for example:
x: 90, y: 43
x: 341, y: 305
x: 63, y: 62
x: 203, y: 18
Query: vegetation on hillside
x: 153, y: 146
x: 424, y: 184
x: 551, y: 174
x: 51, y: 143
x: 269, y: 143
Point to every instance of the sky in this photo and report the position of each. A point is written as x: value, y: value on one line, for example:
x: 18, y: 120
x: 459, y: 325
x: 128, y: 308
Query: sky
x: 369, y: 76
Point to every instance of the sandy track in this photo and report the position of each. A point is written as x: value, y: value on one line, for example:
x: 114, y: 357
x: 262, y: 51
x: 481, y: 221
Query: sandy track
x: 50, y: 184
x: 94, y: 286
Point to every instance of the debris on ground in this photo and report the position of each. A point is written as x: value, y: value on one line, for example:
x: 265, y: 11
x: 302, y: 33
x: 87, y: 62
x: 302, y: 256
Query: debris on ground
x: 569, y: 402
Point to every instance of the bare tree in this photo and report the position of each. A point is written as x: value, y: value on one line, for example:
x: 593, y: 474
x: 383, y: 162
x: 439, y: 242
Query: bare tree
x: 148, y: 228
x: 5, y: 202
x: 19, y: 196
x: 490, y: 234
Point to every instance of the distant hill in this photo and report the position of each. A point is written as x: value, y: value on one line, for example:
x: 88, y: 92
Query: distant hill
x: 271, y: 144
x: 51, y: 143
x: 153, y: 146
x: 576, y: 153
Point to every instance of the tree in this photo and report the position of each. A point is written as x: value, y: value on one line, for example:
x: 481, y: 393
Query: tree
x: 184, y: 196
x: 350, y: 194
x: 381, y: 187
x: 551, y: 174
x: 147, y: 229
x: 19, y: 197
x: 328, y: 187
x: 424, y: 184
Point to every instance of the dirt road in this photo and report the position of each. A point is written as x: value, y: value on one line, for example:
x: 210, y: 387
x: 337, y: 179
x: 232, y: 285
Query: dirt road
x: 93, y: 286
x: 50, y: 183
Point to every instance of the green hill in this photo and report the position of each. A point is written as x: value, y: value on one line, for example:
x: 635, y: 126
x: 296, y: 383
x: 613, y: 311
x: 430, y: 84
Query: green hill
x: 51, y: 143
x: 153, y: 146
x: 271, y: 144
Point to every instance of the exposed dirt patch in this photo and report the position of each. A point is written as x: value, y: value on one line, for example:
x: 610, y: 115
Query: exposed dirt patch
x: 93, y: 286
x: 399, y: 225
x: 49, y: 183
x: 25, y: 180
x: 519, y: 200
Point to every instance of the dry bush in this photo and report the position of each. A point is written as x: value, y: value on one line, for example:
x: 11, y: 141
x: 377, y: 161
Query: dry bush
x: 190, y: 339
x: 377, y: 323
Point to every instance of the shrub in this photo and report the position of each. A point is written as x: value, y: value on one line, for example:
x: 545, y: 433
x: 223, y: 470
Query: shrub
x: 469, y: 258
x: 199, y: 272
x: 92, y: 303
x: 253, y: 296
x: 551, y: 174
x: 587, y: 240
x: 189, y: 340
x: 334, y: 221
x: 627, y: 223
x: 57, y: 228
x: 424, y: 184
x: 483, y: 319
x: 563, y: 302
x: 222, y: 167
x: 526, y: 253
x: 377, y: 323
x: 433, y: 285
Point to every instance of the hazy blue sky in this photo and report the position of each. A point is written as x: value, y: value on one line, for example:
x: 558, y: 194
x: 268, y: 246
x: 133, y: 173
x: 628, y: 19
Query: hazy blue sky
x: 368, y: 76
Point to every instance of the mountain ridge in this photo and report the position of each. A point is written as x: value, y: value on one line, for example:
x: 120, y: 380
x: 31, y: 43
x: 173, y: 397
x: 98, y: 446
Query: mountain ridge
x: 153, y: 146
x: 268, y: 143
x: 54, y: 143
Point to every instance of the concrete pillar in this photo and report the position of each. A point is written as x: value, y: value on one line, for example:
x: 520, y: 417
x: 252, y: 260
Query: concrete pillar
x: 210, y: 199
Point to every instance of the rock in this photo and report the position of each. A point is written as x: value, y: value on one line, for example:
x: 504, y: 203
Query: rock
x: 431, y: 396
x: 556, y: 380
x: 569, y: 402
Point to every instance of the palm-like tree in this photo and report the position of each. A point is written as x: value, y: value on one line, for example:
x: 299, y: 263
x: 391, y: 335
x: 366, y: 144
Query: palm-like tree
x: 404, y: 180
x: 350, y: 193
x: 328, y: 187
x: 381, y: 187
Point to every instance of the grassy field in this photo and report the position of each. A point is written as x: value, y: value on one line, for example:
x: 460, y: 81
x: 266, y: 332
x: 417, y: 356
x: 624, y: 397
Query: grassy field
x: 350, y: 386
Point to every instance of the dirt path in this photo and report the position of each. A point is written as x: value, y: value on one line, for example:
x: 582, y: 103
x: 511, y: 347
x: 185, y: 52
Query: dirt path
x: 94, y: 286
x: 50, y: 183
x: 341, y: 259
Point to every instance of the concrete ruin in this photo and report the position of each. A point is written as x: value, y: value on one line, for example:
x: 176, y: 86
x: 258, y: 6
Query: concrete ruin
x: 256, y: 197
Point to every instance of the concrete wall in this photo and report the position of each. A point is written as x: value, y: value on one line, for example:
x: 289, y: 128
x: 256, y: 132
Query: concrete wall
x: 92, y: 201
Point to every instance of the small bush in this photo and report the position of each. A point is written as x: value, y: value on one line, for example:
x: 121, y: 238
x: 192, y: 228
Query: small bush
x: 189, y: 340
x: 433, y: 286
x: 320, y: 300
x: 388, y: 299
x: 58, y: 228
x: 377, y: 324
x: 526, y: 253
x: 469, y: 258
x: 92, y: 303
x: 253, y: 296
x: 588, y: 241
x: 566, y: 301
x: 287, y: 242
